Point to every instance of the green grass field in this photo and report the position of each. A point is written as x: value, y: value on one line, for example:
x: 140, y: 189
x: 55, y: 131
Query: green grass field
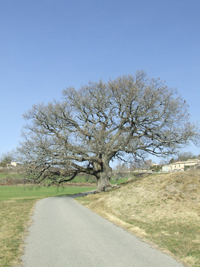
x: 16, y: 205
x: 35, y: 192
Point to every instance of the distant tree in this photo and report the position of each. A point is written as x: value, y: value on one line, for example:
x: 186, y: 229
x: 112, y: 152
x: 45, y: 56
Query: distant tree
x: 171, y: 160
x: 163, y: 162
x: 185, y: 156
x: 147, y: 165
x: 194, y: 157
x: 123, y: 119
x: 140, y: 164
x: 6, y: 159
x: 156, y: 168
x: 120, y: 171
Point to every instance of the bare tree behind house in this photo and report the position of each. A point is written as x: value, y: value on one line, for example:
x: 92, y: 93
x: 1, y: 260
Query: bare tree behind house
x: 6, y: 159
x: 122, y: 119
x: 185, y: 156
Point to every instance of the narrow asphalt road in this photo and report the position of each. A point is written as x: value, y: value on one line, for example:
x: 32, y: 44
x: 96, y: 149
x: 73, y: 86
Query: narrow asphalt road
x: 66, y: 234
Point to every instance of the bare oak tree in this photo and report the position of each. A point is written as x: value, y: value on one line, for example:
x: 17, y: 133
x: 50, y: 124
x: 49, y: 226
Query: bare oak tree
x: 125, y: 119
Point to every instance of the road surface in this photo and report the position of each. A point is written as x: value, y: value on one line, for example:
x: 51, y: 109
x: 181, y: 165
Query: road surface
x: 66, y: 234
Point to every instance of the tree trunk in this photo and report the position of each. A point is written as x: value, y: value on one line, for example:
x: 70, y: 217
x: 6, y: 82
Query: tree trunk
x: 104, y: 178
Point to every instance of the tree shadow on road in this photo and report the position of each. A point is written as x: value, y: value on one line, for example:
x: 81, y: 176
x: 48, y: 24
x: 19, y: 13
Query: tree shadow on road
x: 82, y: 194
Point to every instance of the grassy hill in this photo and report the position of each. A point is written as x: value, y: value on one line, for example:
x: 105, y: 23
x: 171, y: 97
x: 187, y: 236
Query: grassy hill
x: 163, y: 209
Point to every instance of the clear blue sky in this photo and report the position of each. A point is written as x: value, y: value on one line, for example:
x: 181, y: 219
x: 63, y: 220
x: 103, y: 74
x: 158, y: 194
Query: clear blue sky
x: 46, y: 46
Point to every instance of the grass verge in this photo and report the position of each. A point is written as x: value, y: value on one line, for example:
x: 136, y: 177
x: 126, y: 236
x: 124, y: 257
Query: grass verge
x: 162, y: 209
x: 16, y: 204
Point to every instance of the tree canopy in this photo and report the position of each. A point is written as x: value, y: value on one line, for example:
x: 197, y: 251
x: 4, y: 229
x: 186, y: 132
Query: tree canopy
x: 6, y: 159
x: 122, y: 119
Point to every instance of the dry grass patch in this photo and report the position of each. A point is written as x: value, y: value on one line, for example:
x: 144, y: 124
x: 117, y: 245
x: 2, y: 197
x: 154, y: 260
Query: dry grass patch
x: 13, y: 222
x: 163, y: 209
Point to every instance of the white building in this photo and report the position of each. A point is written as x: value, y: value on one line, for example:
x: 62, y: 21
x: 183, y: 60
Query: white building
x: 13, y: 164
x: 180, y: 165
